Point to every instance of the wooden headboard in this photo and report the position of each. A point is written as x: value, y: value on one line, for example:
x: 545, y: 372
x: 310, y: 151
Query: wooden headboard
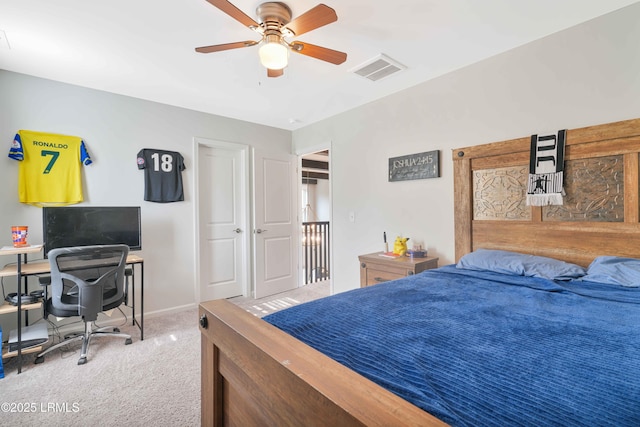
x: 600, y: 215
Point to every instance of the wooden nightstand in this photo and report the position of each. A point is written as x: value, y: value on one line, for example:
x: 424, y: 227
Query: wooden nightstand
x: 376, y: 269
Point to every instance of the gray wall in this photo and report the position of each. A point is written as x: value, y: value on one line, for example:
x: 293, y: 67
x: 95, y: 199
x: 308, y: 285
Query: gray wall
x: 115, y: 128
x: 586, y: 75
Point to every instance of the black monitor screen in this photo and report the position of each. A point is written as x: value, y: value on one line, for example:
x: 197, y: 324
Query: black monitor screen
x: 83, y: 226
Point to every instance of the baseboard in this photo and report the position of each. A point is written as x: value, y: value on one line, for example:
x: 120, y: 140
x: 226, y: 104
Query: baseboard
x: 164, y: 312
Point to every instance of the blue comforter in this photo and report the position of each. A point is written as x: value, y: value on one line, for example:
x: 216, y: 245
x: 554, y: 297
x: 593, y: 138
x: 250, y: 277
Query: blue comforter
x: 487, y: 349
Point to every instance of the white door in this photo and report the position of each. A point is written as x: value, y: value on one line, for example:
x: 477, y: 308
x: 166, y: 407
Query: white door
x: 223, y: 219
x: 275, y: 223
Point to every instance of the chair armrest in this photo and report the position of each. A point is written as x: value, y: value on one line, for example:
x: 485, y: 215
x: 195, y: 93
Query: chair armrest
x: 44, y: 280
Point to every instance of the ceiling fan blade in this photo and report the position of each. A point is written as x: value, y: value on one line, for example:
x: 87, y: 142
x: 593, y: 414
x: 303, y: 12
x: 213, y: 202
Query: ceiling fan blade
x: 313, y: 18
x: 226, y: 46
x: 234, y: 12
x: 274, y: 73
x: 319, y: 52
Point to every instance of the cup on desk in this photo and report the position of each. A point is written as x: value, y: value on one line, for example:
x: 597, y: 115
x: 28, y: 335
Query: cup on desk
x: 19, y: 235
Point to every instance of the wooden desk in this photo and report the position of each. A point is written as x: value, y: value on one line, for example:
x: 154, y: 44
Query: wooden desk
x: 24, y: 269
x: 41, y: 266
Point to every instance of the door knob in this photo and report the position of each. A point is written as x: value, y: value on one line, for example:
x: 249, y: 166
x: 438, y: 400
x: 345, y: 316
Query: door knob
x: 259, y: 231
x: 237, y: 230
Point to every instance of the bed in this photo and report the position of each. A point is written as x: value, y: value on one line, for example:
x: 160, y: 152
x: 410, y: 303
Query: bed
x: 570, y: 340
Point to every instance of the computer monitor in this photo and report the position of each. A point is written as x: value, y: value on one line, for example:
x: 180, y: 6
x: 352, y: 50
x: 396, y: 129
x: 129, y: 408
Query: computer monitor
x: 91, y: 225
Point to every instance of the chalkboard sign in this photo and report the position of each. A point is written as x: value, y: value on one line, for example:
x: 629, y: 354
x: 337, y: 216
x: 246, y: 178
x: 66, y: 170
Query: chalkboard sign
x: 415, y: 166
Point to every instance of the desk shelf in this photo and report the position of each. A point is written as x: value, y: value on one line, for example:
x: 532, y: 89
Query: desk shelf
x: 6, y: 354
x: 21, y: 253
x: 10, y: 308
x: 7, y: 308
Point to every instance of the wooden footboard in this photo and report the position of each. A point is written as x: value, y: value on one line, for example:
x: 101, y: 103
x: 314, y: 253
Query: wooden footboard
x: 253, y: 374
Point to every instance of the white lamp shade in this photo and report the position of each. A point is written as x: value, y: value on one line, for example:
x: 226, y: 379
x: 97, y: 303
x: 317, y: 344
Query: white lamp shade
x: 274, y: 56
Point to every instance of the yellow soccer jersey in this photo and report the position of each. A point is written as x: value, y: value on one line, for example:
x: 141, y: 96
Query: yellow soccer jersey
x: 49, y: 172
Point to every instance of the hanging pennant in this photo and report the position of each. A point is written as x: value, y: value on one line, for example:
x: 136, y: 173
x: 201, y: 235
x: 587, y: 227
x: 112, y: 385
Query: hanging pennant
x: 546, y: 169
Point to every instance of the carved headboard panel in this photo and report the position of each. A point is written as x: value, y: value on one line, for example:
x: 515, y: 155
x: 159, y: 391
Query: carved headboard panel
x: 600, y: 215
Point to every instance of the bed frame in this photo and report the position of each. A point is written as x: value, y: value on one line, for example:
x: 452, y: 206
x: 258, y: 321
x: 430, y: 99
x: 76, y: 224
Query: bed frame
x: 600, y: 213
x: 255, y: 374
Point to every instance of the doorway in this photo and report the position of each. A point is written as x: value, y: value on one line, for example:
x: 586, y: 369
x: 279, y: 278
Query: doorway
x: 315, y: 205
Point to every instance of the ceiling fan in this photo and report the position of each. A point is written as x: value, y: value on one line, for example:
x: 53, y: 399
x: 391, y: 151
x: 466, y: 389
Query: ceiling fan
x: 274, y: 27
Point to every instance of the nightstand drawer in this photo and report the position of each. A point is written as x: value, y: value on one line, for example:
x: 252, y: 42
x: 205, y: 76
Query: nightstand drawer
x: 380, y: 276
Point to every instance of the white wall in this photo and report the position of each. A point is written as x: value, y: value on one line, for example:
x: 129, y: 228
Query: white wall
x: 323, y: 201
x: 319, y: 201
x: 586, y: 75
x: 115, y: 128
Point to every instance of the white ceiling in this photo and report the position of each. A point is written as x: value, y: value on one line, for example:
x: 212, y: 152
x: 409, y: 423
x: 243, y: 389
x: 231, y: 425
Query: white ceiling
x: 145, y: 49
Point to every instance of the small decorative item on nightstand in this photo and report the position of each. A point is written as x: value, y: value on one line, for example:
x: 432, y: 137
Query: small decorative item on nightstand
x: 417, y: 252
x: 400, y: 245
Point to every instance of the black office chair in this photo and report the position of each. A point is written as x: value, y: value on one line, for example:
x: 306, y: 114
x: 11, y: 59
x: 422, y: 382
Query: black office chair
x: 86, y: 280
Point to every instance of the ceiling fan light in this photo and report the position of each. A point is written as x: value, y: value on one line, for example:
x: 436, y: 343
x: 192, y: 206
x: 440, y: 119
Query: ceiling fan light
x: 274, y: 55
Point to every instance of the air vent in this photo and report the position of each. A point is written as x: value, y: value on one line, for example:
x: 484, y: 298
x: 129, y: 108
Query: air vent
x: 378, y: 68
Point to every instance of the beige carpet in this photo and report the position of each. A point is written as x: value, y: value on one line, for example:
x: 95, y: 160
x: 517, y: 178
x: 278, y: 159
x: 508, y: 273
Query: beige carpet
x: 152, y: 382
x: 155, y: 381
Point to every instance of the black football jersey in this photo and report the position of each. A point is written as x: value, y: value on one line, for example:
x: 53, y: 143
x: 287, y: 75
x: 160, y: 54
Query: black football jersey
x: 162, y: 175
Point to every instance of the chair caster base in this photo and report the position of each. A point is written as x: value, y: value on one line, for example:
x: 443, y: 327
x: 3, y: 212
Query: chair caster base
x: 38, y: 360
x: 127, y: 341
x: 82, y: 361
x: 117, y: 330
